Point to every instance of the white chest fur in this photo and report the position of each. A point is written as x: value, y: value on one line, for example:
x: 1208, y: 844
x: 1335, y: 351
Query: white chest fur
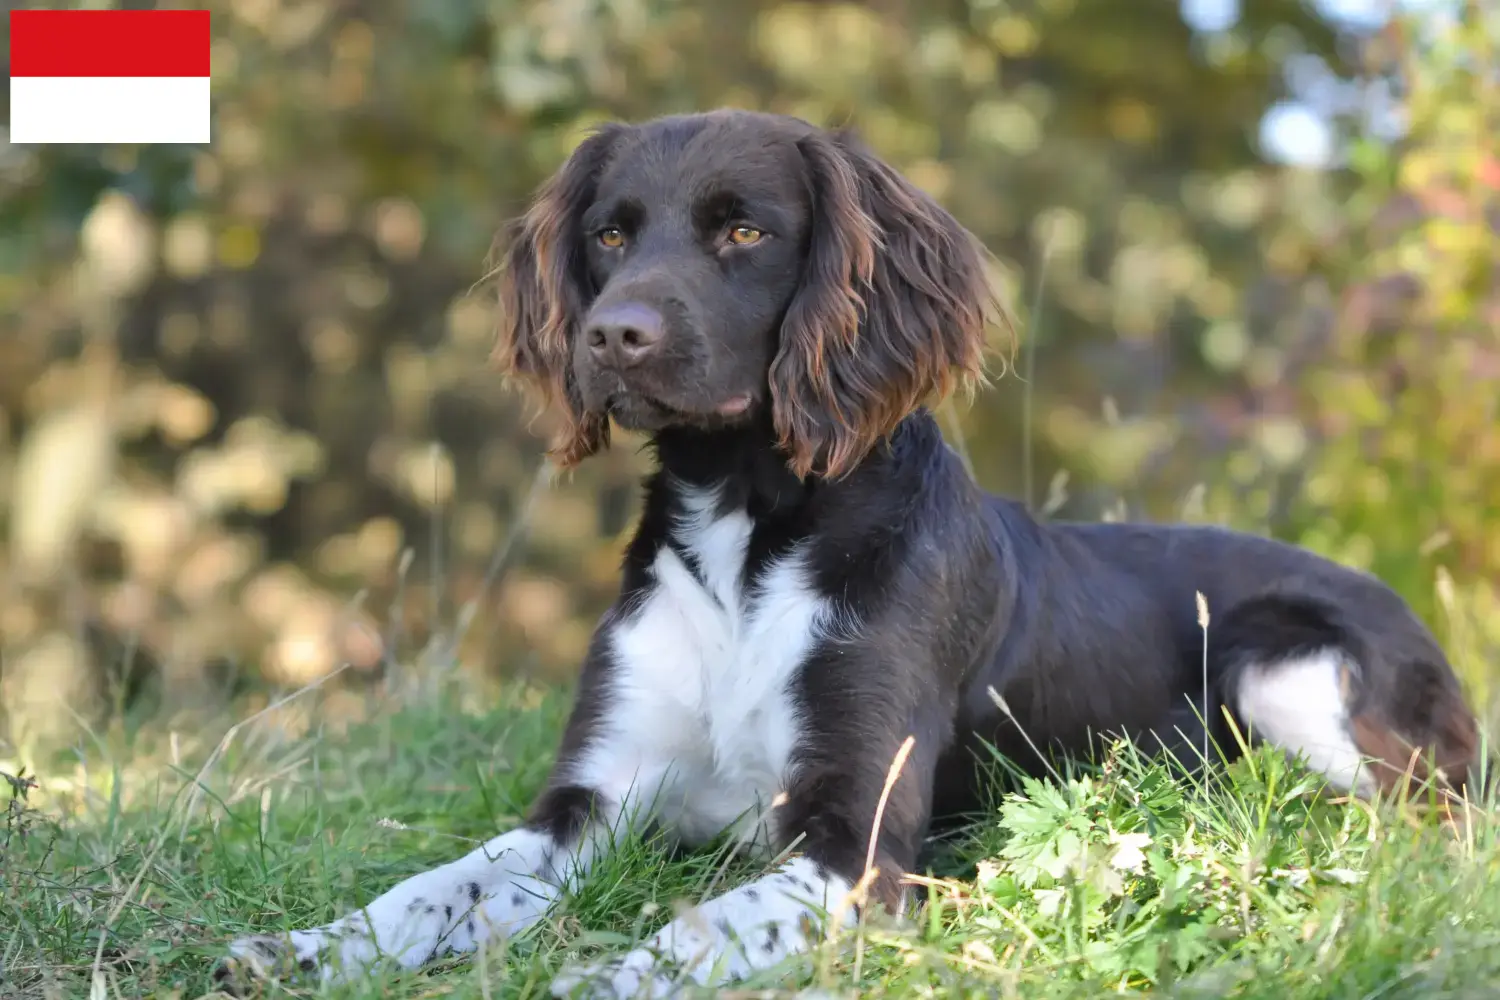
x: 699, y: 720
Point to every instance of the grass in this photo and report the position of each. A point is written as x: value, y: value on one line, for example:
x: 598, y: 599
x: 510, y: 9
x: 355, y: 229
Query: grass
x: 126, y: 869
x: 123, y: 875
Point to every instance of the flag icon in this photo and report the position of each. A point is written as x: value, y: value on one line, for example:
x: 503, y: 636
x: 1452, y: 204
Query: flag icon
x: 109, y: 76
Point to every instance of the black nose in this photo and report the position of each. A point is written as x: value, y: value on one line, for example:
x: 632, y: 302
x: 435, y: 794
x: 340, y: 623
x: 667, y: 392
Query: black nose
x: 622, y: 336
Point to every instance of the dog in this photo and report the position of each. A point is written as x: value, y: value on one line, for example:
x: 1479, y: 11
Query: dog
x: 815, y: 578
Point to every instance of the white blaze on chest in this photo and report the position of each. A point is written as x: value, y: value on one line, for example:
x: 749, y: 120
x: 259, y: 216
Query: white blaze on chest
x: 700, y: 707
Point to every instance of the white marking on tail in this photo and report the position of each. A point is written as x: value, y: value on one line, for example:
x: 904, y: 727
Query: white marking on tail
x: 1298, y: 705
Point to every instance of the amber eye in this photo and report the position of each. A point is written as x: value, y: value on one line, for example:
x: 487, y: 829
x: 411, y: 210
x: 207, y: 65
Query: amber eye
x: 611, y: 238
x: 743, y: 236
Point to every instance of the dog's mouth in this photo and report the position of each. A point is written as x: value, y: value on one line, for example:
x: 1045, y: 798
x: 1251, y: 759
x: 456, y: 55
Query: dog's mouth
x: 735, y: 406
x: 641, y: 411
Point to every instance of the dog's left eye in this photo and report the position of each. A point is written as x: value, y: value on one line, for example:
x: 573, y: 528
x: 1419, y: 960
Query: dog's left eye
x: 743, y: 236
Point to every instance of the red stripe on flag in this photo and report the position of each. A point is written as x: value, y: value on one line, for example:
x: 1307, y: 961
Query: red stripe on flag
x: 109, y: 43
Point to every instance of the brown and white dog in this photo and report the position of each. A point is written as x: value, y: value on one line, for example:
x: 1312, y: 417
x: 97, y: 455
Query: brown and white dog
x: 815, y: 577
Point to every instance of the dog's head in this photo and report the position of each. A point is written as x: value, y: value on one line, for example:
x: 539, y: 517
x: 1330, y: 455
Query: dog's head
x: 697, y: 270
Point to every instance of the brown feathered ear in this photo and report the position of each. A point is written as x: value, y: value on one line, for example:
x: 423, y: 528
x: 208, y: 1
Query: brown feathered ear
x: 544, y: 295
x: 891, y: 311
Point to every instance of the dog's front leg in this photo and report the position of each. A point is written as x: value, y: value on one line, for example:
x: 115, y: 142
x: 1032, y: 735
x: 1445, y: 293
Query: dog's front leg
x: 726, y: 938
x: 830, y: 811
x: 496, y: 890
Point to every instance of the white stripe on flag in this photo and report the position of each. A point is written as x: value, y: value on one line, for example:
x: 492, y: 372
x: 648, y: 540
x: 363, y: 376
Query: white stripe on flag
x: 109, y: 109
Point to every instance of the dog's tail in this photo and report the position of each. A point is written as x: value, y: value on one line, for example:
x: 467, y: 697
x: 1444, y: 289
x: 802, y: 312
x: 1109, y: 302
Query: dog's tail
x: 1370, y: 709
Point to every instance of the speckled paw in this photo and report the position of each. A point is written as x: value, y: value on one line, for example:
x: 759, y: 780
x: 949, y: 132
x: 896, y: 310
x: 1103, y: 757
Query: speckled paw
x: 265, y: 957
x: 638, y: 975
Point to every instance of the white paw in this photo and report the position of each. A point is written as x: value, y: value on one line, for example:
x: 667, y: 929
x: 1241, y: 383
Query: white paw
x: 445, y: 911
x: 723, y: 941
x: 296, y: 955
x: 409, y: 935
x: 638, y: 974
x: 343, y: 949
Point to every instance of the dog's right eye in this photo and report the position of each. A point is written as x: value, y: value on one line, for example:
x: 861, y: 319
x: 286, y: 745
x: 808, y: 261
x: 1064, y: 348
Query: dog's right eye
x: 611, y: 237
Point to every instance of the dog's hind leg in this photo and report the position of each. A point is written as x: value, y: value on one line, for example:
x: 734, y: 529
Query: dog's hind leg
x: 1368, y: 708
x: 1300, y: 704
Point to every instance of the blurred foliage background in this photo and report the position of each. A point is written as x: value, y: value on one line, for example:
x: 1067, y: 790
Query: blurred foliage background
x: 248, y: 431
